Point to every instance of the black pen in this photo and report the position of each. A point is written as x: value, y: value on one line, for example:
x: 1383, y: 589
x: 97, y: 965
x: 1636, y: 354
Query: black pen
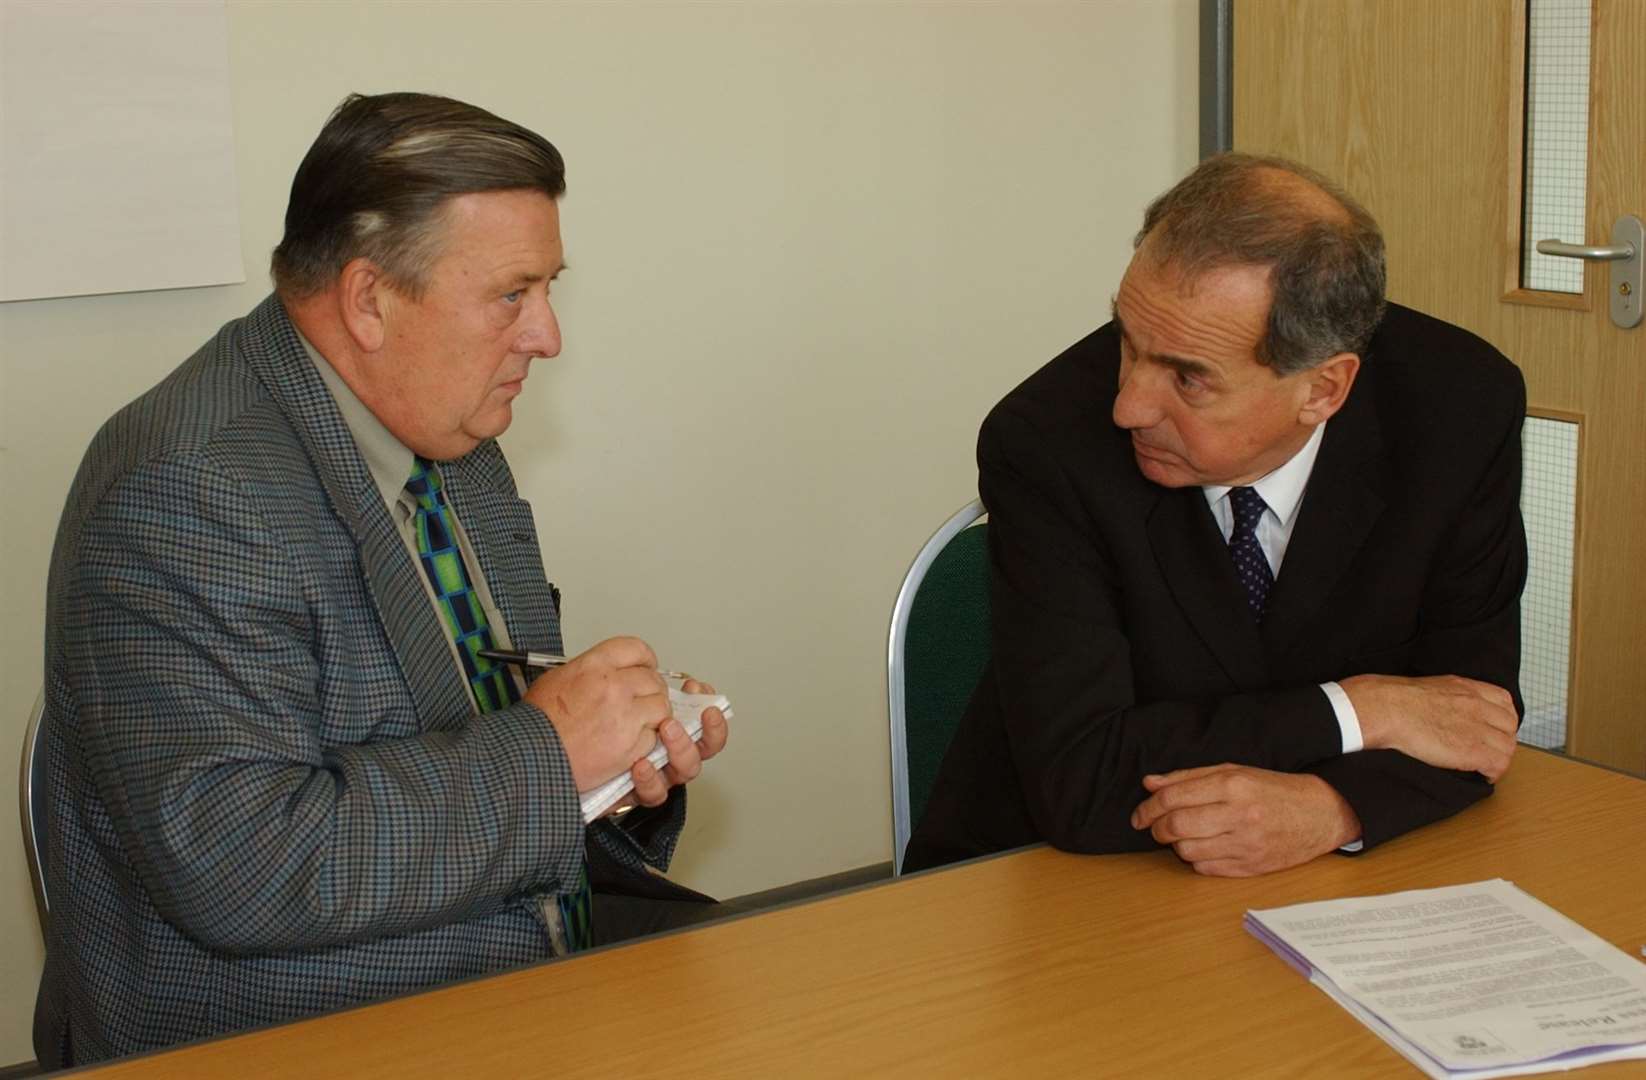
x: 543, y: 659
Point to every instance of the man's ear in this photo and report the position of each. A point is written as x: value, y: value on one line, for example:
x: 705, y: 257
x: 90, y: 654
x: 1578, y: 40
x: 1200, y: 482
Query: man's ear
x: 1329, y: 384
x: 363, y: 302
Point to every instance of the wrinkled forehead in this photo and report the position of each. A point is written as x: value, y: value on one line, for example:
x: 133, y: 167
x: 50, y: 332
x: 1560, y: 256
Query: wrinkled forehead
x: 1218, y: 317
x: 1227, y: 291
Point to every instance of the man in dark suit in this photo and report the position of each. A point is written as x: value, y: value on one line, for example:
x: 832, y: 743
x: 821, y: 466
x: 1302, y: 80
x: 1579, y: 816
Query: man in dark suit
x: 281, y: 778
x: 1256, y: 555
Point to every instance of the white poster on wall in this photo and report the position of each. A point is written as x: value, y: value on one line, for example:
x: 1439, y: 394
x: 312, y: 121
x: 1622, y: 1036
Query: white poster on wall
x: 116, y: 148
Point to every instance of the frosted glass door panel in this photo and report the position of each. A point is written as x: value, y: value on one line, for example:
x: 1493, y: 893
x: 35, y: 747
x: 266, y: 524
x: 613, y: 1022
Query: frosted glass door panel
x: 1548, y: 502
x: 1557, y: 140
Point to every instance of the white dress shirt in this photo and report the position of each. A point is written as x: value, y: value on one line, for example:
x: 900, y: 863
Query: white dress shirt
x: 1282, y: 490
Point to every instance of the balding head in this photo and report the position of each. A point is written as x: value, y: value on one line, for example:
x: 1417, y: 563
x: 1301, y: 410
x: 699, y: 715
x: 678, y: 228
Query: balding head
x: 1323, y: 251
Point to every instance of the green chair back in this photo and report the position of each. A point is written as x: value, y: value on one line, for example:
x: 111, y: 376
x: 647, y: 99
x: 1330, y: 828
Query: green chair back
x: 31, y: 798
x: 939, y: 646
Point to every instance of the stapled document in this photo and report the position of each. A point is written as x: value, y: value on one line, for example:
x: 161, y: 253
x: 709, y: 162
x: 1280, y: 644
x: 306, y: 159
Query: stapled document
x: 1476, y: 980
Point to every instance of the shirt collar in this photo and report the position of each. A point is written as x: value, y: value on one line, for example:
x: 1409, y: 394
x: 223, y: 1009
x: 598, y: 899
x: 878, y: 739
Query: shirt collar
x: 1281, y: 489
x: 387, y: 458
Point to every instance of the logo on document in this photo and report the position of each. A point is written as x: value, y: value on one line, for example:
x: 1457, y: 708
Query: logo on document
x: 1476, y: 1042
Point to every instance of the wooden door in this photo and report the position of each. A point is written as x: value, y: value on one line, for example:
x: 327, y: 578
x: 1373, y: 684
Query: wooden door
x: 1416, y: 106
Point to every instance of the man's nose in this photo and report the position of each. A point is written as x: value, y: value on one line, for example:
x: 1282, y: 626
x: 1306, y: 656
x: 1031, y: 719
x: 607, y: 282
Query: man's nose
x: 539, y: 329
x: 1136, y: 405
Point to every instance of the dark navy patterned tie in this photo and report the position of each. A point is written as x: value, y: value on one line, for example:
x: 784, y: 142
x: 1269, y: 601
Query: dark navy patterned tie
x: 466, y: 622
x: 1251, y: 565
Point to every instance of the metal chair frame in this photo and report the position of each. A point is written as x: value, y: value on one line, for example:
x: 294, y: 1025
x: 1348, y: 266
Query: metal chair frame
x: 31, y: 799
x: 896, y: 674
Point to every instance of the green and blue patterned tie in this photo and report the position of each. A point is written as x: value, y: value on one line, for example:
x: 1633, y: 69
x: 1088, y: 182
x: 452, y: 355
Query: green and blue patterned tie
x: 466, y: 622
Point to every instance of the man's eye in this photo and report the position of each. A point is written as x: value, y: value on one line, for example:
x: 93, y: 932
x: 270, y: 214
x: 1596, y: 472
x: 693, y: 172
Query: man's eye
x: 514, y: 297
x: 1191, y: 387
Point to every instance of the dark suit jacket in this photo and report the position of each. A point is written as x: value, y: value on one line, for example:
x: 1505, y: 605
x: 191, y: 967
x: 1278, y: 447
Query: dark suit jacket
x: 270, y: 793
x: 1122, y: 643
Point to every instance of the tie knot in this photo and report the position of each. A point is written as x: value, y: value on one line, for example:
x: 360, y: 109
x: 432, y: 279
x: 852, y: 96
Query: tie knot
x: 424, y: 484
x: 1248, y: 507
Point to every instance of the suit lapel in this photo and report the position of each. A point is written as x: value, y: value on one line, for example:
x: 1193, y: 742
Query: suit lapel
x: 506, y: 548
x: 409, y: 620
x: 1341, y: 504
x: 414, y: 632
x: 1195, y: 565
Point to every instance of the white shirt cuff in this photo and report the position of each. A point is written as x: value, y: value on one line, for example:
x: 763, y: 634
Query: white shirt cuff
x: 1348, y: 725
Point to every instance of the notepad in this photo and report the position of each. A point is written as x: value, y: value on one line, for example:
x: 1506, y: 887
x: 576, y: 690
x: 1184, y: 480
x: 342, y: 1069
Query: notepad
x: 688, y: 711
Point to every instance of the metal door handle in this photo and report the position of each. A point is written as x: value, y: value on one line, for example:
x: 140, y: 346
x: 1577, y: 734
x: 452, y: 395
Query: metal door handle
x: 1585, y: 251
x: 1626, y: 253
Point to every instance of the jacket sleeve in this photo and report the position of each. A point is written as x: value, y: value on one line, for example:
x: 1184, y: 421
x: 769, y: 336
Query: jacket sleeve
x: 1470, y: 626
x: 1079, y: 739
x: 191, y: 655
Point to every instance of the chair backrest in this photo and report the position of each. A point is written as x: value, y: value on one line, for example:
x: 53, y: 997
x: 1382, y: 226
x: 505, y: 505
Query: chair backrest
x: 31, y: 798
x: 939, y: 644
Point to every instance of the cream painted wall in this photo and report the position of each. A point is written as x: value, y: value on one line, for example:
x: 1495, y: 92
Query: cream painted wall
x: 809, y: 245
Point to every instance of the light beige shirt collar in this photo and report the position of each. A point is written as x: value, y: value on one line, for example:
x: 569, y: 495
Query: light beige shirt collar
x: 390, y: 463
x: 387, y: 458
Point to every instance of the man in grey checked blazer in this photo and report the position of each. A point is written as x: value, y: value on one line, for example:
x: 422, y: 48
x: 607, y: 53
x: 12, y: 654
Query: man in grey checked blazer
x: 272, y: 793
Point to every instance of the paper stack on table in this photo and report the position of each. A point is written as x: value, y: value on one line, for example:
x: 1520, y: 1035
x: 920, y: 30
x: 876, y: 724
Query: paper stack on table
x: 1475, y: 980
x: 688, y: 710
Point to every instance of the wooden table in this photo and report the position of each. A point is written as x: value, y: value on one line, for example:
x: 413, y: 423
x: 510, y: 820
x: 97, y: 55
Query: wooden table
x: 1035, y: 964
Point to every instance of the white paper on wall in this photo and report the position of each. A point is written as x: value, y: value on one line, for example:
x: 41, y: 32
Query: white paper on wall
x: 116, y: 148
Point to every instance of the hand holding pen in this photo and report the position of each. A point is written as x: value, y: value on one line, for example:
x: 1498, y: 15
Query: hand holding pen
x: 610, y: 705
x: 548, y: 660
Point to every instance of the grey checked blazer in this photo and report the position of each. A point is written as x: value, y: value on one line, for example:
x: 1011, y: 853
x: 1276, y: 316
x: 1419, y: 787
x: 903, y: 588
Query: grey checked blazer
x: 270, y: 795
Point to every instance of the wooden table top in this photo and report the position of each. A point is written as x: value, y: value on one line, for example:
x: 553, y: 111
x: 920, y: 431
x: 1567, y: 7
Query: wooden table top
x: 1036, y: 963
